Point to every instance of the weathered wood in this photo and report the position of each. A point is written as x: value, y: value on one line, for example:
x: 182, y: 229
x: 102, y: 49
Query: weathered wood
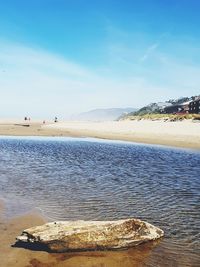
x: 90, y: 235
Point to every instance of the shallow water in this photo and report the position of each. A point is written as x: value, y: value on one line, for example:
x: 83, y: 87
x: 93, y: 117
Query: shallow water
x: 69, y: 179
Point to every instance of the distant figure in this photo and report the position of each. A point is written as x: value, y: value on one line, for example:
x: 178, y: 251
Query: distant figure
x: 29, y: 118
x: 43, y: 121
x: 25, y: 118
x: 56, y: 119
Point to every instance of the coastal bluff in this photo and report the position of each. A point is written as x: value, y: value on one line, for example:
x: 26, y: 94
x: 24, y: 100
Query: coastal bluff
x: 63, y: 236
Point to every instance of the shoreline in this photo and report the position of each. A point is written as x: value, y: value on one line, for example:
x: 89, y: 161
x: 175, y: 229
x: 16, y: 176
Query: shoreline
x: 162, y: 251
x: 184, y: 134
x: 24, y: 257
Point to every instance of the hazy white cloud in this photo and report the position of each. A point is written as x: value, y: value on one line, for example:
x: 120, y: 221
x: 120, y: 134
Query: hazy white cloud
x: 40, y: 84
x: 22, y: 57
x: 149, y: 51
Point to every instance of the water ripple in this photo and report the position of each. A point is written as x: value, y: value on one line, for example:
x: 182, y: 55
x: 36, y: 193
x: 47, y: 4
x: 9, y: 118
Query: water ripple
x: 79, y: 179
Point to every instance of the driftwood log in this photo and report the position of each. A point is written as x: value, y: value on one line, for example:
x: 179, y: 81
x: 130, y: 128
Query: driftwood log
x: 65, y: 236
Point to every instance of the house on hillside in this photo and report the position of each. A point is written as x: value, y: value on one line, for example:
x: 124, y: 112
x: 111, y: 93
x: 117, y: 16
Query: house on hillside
x: 185, y: 107
x: 173, y: 109
x: 177, y: 108
x: 194, y: 106
x: 162, y: 105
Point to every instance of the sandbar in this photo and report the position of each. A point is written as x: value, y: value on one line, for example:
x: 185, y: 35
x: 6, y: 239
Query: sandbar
x: 184, y: 134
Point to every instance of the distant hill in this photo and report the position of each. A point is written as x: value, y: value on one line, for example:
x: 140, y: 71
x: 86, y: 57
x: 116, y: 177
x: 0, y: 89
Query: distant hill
x: 109, y: 114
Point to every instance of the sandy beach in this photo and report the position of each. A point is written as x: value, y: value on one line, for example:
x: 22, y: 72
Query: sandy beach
x: 179, y: 134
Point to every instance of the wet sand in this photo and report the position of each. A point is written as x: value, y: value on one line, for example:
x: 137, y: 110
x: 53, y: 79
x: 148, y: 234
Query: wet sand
x: 158, y: 253
x: 22, y: 257
x: 179, y: 134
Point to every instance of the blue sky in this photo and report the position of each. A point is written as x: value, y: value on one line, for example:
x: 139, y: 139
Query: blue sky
x: 59, y: 57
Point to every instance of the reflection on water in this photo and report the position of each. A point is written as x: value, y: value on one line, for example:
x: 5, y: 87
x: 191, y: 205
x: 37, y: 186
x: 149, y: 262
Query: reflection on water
x: 79, y: 179
x: 129, y: 258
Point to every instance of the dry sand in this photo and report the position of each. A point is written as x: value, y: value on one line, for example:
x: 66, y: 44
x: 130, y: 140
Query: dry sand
x: 179, y: 134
